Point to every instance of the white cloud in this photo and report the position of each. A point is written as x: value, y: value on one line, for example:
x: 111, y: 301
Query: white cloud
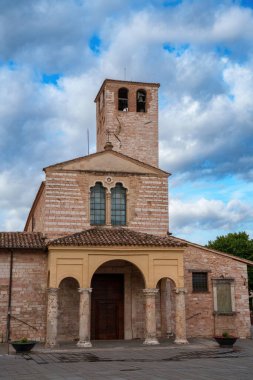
x: 214, y: 136
x: 205, y: 214
x: 232, y: 24
x: 206, y: 97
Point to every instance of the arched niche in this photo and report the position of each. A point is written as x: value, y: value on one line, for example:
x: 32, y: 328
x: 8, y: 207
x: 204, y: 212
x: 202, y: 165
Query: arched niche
x: 68, y: 310
x: 165, y: 308
x: 123, y: 99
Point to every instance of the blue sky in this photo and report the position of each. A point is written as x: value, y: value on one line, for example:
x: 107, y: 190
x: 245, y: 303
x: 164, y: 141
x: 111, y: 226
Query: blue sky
x: 54, y: 56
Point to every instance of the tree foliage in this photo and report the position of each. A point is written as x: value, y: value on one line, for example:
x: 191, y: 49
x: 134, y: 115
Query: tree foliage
x: 238, y: 244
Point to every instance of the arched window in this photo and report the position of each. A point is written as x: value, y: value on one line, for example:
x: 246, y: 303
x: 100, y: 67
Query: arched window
x: 118, y: 205
x: 141, y: 101
x: 123, y: 99
x: 97, y: 204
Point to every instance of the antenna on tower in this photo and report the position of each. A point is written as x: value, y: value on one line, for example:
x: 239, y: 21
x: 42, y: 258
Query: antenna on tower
x: 88, y: 141
x: 124, y: 73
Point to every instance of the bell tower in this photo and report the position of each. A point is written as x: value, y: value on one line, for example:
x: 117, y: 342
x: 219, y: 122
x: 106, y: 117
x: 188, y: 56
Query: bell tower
x: 127, y: 116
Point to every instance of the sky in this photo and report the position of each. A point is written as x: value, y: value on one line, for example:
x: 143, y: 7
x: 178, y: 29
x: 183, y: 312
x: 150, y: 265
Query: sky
x: 54, y: 55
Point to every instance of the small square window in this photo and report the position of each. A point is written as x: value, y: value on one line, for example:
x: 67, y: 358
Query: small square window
x: 199, y: 282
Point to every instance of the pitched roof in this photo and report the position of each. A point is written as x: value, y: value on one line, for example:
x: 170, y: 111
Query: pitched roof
x: 99, y: 236
x: 105, y: 153
x: 14, y: 240
x: 237, y: 258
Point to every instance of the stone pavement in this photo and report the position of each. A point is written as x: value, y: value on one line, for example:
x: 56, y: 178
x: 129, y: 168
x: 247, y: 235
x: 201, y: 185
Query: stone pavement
x: 120, y: 360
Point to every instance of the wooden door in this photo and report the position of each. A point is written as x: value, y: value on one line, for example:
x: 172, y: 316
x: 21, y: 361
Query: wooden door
x: 107, y: 306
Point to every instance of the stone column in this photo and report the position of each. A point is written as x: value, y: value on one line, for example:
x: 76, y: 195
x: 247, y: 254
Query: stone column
x: 150, y: 337
x: 108, y: 208
x: 52, y: 314
x: 180, y: 317
x: 84, y: 317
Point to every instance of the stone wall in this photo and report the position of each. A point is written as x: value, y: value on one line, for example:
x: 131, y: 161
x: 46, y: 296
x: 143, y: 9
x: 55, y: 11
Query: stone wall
x: 29, y: 293
x: 132, y: 133
x: 201, y: 320
x: 67, y: 201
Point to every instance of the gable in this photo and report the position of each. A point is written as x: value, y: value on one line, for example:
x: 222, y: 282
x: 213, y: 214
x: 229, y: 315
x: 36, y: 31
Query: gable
x: 108, y: 161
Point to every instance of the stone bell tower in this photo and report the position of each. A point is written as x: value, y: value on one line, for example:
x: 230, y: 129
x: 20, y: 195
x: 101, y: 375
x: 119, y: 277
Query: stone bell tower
x: 127, y: 116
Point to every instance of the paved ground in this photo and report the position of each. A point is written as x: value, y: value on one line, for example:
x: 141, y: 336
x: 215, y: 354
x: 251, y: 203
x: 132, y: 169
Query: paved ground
x: 200, y: 360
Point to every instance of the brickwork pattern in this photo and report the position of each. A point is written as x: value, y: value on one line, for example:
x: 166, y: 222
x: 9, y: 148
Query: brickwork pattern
x: 65, y: 204
x: 4, y: 291
x: 132, y: 133
x: 200, y: 306
x: 67, y: 201
x: 37, y: 219
x: 28, y: 294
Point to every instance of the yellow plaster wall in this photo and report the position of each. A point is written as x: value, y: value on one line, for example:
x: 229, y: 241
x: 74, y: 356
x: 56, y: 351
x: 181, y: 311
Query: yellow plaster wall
x: 81, y: 263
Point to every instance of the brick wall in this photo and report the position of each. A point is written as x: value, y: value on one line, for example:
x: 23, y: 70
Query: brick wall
x: 4, y: 290
x: 36, y: 222
x: 28, y: 293
x: 65, y: 204
x: 200, y: 306
x: 67, y: 201
x: 137, y: 132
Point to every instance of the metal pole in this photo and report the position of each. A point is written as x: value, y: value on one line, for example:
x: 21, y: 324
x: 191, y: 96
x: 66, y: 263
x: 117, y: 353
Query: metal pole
x: 88, y: 141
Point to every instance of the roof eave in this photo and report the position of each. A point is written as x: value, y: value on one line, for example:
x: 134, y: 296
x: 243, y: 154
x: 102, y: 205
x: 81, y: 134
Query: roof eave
x: 229, y: 255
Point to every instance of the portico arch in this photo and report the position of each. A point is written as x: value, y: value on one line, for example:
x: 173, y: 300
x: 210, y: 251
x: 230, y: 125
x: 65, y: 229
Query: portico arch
x: 103, y: 260
x: 165, y: 308
x: 117, y: 301
x: 170, y: 310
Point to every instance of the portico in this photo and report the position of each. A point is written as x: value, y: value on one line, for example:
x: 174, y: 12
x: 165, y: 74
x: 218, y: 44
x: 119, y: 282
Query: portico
x: 141, y: 266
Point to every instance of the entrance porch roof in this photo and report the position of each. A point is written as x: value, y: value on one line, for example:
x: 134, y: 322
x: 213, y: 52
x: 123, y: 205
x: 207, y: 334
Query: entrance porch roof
x: 115, y: 236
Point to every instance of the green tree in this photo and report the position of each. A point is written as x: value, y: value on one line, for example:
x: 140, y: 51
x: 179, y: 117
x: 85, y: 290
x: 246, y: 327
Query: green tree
x: 238, y: 244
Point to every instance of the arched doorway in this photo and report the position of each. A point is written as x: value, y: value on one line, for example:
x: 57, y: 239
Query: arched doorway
x: 117, y: 301
x: 68, y: 310
x: 165, y: 308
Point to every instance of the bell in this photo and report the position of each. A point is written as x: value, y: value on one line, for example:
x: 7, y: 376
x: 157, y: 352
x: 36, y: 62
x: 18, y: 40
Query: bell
x: 141, y: 98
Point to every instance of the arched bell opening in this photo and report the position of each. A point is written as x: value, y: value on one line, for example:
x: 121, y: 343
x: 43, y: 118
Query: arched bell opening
x: 165, y: 308
x: 117, y: 301
x: 68, y: 310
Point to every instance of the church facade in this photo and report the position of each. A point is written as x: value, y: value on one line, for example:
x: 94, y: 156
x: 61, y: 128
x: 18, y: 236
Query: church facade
x: 96, y: 261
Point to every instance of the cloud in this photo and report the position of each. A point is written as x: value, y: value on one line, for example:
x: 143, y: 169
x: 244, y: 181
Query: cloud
x: 205, y: 214
x: 50, y: 75
x: 214, y: 137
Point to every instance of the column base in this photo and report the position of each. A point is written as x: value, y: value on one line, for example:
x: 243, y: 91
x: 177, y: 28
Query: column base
x: 181, y: 341
x: 84, y: 344
x: 151, y: 341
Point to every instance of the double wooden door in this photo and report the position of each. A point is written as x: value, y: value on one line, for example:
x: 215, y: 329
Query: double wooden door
x: 107, y: 306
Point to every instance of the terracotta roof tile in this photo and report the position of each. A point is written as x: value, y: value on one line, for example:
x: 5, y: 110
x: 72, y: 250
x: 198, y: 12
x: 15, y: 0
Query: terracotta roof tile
x: 13, y: 240
x: 99, y: 236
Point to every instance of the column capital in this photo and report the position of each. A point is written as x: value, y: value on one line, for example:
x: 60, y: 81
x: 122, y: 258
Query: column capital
x: 150, y: 291
x: 180, y: 291
x: 84, y: 290
x: 52, y: 290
